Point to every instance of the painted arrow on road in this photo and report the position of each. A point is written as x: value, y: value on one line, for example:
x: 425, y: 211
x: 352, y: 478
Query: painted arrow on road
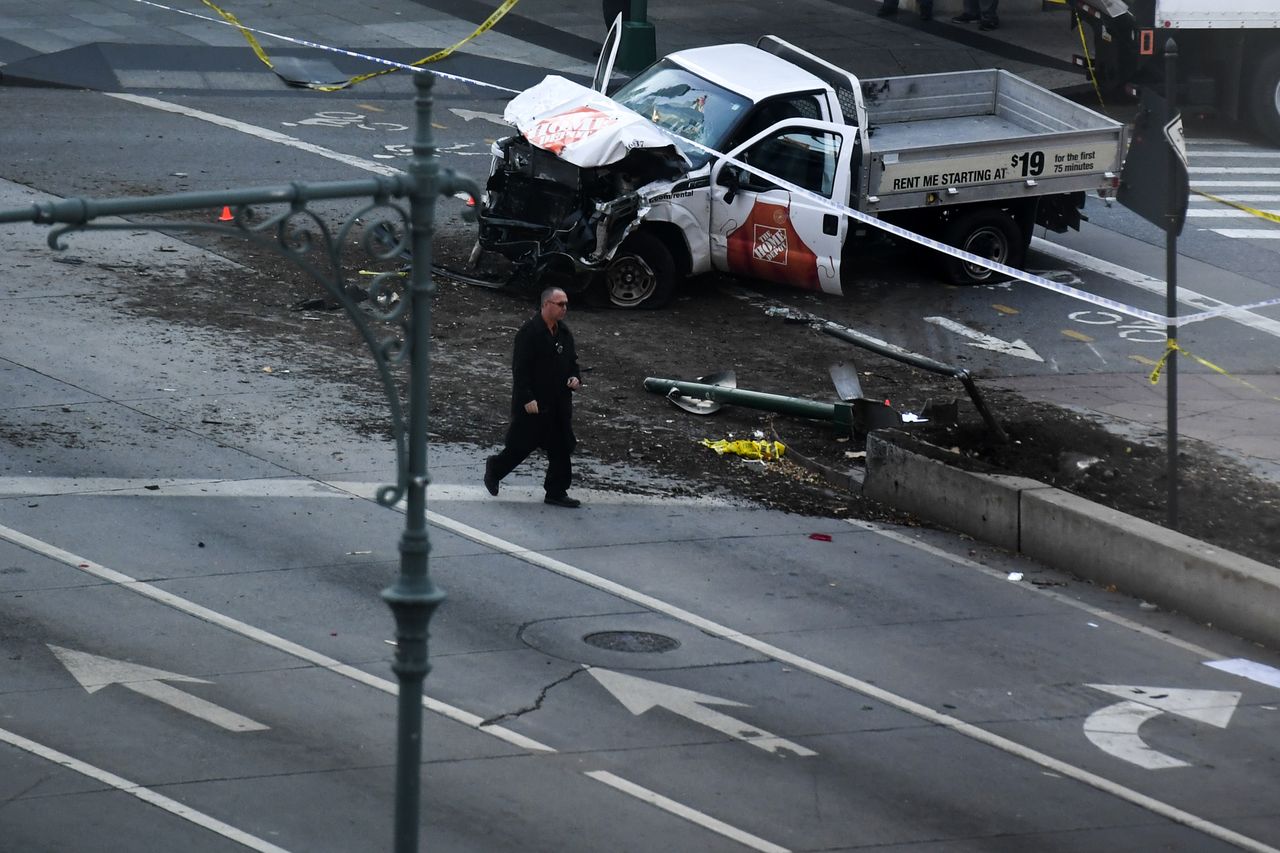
x: 985, y: 341
x: 1114, y: 729
x: 94, y: 673
x: 639, y: 695
x: 469, y: 115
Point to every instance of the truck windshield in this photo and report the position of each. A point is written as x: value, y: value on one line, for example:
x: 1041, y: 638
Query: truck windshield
x: 685, y: 104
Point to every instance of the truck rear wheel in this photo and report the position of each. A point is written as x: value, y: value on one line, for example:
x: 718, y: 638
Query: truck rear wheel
x: 1264, y: 97
x: 641, y: 275
x: 988, y: 233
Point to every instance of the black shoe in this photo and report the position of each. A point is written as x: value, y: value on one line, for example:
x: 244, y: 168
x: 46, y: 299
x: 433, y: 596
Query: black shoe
x: 563, y: 500
x: 490, y: 481
x: 886, y: 12
x: 966, y: 18
x: 988, y: 25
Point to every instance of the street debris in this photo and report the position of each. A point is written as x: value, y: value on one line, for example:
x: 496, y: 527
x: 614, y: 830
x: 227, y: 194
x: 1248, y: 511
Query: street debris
x: 748, y: 448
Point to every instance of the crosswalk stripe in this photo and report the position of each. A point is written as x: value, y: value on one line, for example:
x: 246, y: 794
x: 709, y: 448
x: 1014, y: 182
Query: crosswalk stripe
x: 1234, y: 170
x: 1243, y: 155
x: 1247, y: 233
x: 1214, y: 213
x: 1256, y: 185
x: 1238, y: 197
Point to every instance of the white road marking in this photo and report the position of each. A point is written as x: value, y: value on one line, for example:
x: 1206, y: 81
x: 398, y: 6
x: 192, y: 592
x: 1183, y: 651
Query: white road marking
x: 296, y: 487
x: 1247, y: 233
x: 258, y: 635
x: 94, y: 672
x: 1259, y: 185
x: 852, y: 683
x: 469, y: 115
x: 1219, y: 213
x: 1114, y: 729
x: 1234, y: 170
x: 324, y: 661
x: 133, y: 789
x: 254, y: 130
x: 1154, y: 285
x: 1244, y: 153
x: 982, y: 340
x: 1253, y: 199
x: 744, y: 838
x: 638, y: 695
x: 1246, y: 668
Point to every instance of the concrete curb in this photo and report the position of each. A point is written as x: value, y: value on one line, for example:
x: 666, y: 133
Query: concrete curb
x: 1079, y: 536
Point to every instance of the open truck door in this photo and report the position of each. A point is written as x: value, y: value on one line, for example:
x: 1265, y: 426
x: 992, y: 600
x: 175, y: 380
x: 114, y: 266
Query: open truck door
x: 608, y: 55
x: 762, y: 229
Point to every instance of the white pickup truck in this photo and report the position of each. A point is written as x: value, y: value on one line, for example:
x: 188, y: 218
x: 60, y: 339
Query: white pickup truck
x: 631, y: 194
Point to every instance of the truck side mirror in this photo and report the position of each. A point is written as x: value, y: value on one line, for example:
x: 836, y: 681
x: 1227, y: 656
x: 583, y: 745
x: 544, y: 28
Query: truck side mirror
x: 729, y: 178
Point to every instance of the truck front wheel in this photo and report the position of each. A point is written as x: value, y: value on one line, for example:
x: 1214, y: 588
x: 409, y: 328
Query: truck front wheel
x: 1264, y: 96
x: 989, y: 233
x: 641, y: 274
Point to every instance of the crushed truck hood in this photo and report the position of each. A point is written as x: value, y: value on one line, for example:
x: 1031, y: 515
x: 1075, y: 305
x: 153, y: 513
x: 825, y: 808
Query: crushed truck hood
x: 580, y: 125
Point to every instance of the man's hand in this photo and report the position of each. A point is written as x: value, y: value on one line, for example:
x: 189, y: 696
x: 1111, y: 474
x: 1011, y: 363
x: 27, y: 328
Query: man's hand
x: 574, y: 383
x: 531, y: 407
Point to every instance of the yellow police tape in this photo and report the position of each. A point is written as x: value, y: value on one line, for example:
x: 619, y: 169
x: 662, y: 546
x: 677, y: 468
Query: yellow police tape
x: 1088, y: 60
x: 497, y: 15
x: 747, y: 449
x: 1172, y: 346
x: 1261, y: 214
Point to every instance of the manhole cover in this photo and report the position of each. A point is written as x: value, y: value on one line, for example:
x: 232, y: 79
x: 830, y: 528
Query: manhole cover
x: 631, y: 641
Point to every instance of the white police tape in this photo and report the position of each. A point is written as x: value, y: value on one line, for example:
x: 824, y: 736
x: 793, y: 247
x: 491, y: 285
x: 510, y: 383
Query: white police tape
x: 852, y: 213
x: 304, y: 43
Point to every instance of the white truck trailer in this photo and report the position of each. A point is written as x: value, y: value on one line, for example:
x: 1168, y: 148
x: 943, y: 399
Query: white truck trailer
x: 1228, y: 53
x: 592, y: 192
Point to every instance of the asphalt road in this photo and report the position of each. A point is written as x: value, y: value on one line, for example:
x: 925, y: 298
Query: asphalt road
x: 886, y: 689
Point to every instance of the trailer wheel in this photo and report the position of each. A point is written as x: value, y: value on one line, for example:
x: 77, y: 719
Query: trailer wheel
x: 1264, y: 97
x: 988, y: 233
x: 641, y: 274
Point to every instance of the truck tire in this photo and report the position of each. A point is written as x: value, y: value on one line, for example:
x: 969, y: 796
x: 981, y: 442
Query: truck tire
x: 987, y: 232
x: 641, y: 275
x: 1264, y: 97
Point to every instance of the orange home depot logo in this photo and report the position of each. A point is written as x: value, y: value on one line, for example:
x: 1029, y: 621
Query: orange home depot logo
x: 554, y: 133
x: 771, y: 245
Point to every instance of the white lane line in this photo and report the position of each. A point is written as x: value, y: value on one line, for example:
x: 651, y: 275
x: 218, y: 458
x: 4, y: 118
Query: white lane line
x: 1220, y: 213
x: 258, y: 635
x: 297, y: 487
x: 1154, y: 285
x: 744, y: 838
x: 289, y: 647
x: 849, y: 682
x: 1243, y: 153
x: 254, y: 130
x: 1096, y: 612
x: 1250, y: 669
x: 1248, y: 233
x: 1236, y: 197
x: 1259, y: 185
x: 133, y: 789
x: 1233, y: 170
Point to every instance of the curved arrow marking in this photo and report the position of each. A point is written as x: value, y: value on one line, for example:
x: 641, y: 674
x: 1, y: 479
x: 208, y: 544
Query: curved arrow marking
x: 639, y: 695
x: 94, y: 673
x: 1114, y: 729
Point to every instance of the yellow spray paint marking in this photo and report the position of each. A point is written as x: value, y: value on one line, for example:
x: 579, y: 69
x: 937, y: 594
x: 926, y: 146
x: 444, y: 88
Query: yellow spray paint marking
x: 1004, y: 309
x: 371, y: 108
x: 438, y: 126
x: 1142, y: 359
x: 1079, y: 336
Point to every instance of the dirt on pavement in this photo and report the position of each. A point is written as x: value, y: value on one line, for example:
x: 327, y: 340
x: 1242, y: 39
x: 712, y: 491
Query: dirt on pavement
x: 716, y: 324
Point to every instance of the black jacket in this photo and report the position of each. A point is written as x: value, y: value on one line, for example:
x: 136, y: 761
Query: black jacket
x: 541, y: 364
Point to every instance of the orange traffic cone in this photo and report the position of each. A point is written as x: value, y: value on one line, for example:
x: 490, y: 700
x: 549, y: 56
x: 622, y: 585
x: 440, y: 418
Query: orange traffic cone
x: 227, y: 215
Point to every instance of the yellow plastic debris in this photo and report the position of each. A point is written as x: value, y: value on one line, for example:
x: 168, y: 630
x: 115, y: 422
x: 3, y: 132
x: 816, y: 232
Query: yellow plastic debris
x: 747, y: 449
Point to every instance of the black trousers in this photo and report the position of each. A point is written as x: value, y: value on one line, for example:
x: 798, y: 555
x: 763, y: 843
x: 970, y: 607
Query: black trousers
x: 548, y: 431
